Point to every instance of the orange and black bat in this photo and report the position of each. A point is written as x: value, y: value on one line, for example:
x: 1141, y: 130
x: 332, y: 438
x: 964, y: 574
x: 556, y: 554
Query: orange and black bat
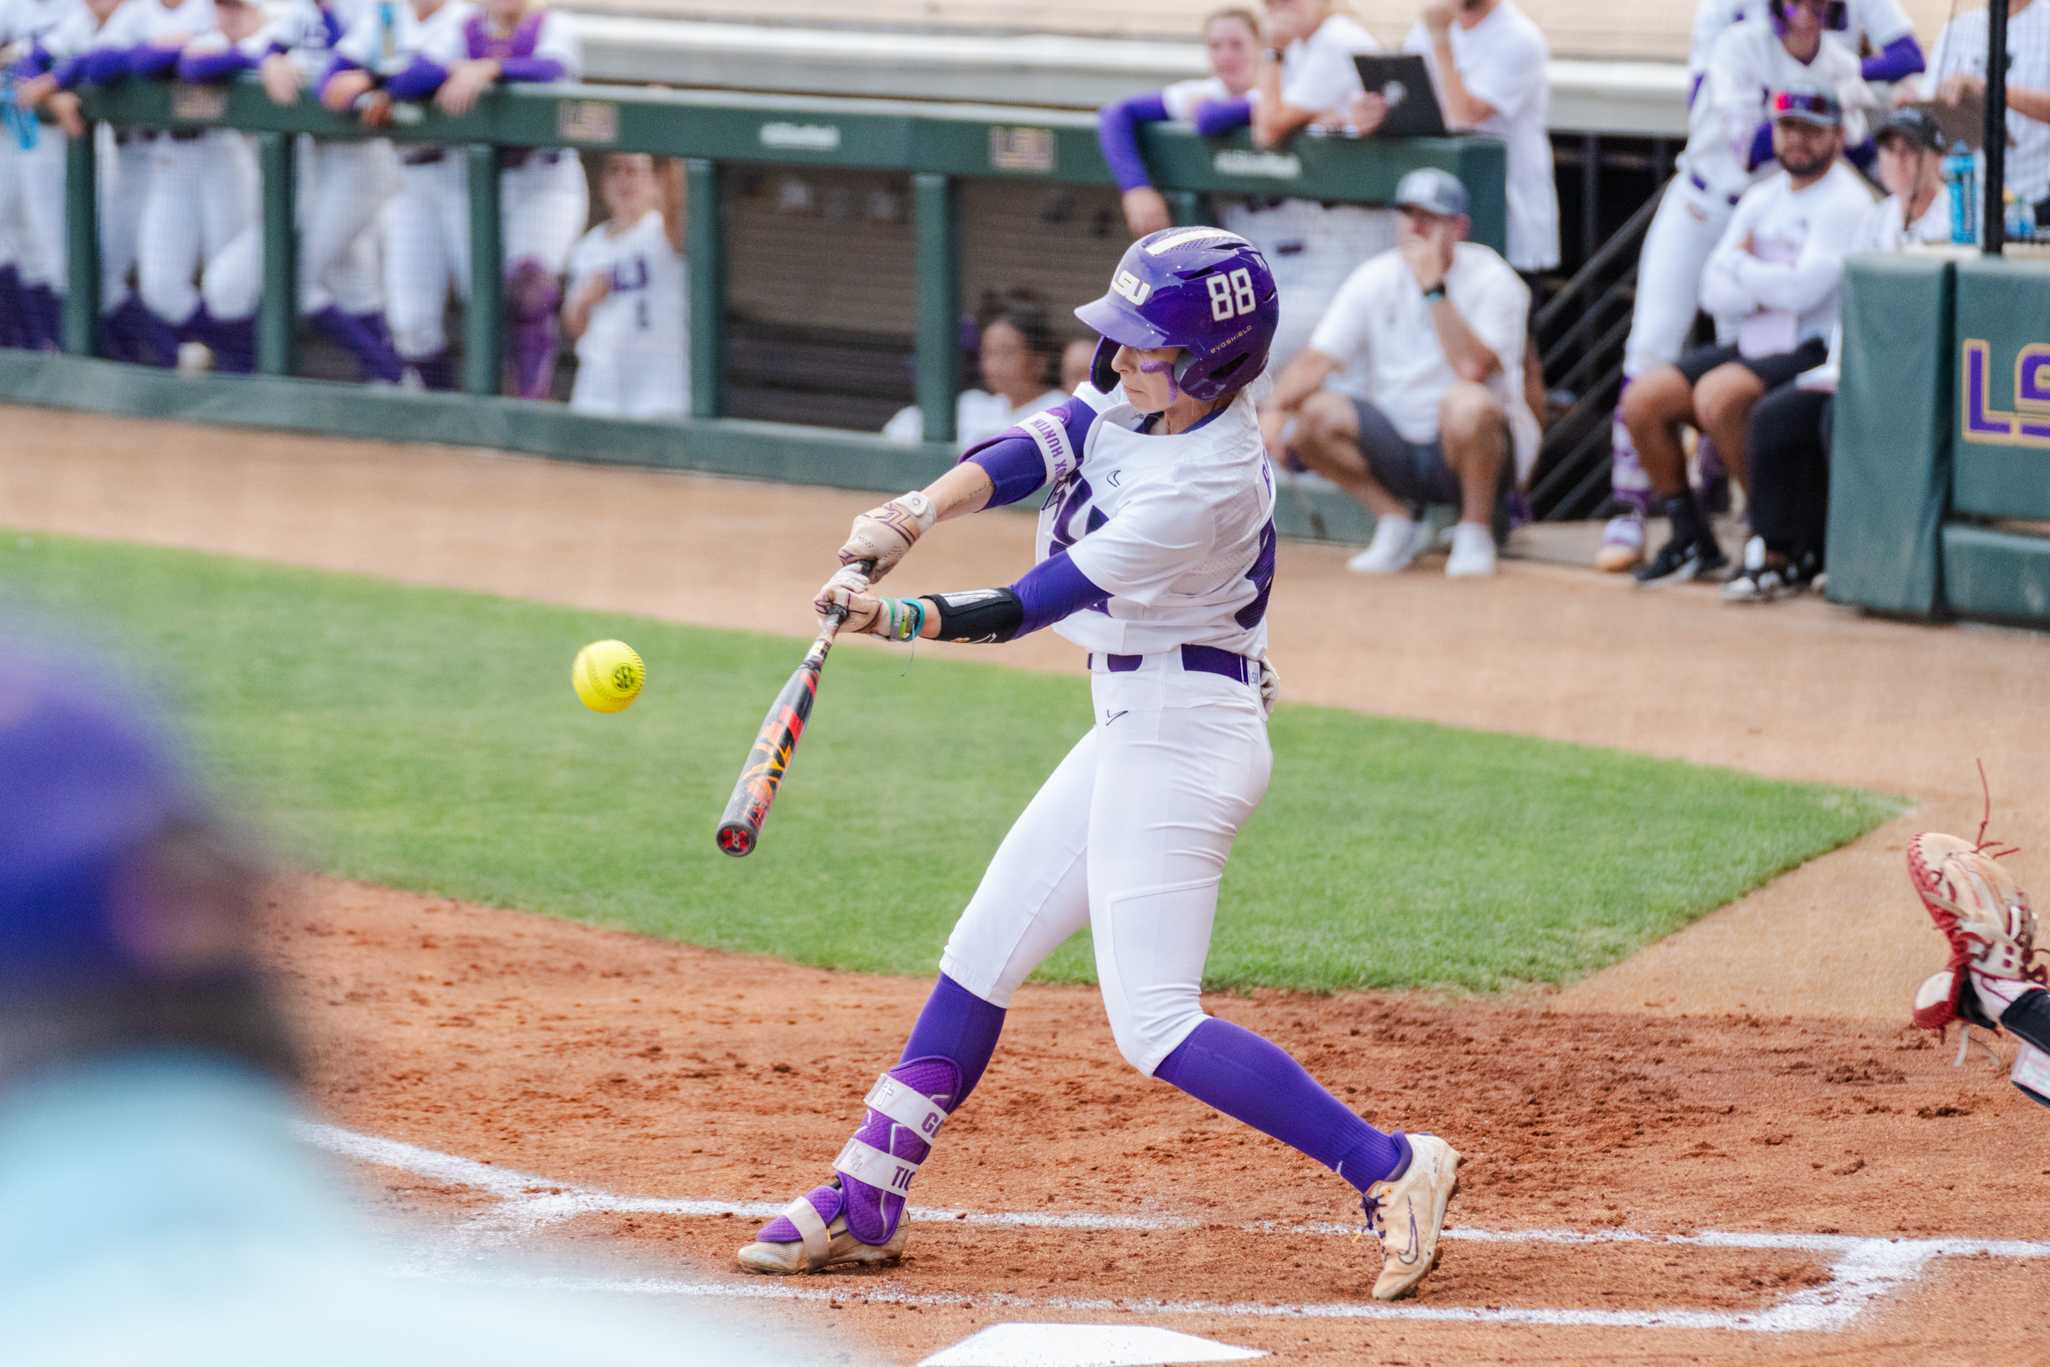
x: 740, y: 828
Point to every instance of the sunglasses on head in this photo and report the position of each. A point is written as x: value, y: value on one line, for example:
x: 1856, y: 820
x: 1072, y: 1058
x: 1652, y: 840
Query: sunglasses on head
x: 1813, y: 103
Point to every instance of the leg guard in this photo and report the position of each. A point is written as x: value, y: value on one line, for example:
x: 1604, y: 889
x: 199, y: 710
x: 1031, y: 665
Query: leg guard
x: 858, y: 1217
x: 532, y: 297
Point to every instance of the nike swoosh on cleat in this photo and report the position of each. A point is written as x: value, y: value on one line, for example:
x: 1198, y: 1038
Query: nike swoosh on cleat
x: 1408, y: 1258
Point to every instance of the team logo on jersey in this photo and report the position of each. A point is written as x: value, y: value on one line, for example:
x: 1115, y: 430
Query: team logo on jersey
x: 1131, y: 287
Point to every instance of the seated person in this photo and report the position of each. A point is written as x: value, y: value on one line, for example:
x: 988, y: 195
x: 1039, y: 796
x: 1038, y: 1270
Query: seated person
x: 625, y: 311
x: 1076, y: 359
x: 1775, y: 271
x: 1215, y: 103
x: 1789, y: 439
x: 1015, y: 358
x: 1437, y: 328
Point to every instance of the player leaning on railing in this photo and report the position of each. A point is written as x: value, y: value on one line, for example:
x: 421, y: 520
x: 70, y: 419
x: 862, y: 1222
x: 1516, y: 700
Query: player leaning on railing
x: 1156, y: 554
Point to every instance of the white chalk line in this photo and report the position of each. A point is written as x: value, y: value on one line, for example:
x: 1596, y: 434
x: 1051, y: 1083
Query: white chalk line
x: 1863, y: 1269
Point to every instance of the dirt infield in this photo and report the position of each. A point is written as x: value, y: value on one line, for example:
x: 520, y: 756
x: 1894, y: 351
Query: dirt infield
x: 1744, y: 1093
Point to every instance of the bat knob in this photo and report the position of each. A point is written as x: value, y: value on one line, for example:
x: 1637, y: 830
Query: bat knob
x: 736, y: 840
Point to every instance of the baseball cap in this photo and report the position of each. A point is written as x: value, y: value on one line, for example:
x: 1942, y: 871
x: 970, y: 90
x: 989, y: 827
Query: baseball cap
x: 1916, y: 126
x: 88, y: 783
x: 1806, y: 104
x: 1433, y: 191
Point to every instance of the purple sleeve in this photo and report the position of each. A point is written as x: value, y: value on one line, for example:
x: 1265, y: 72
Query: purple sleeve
x: 1901, y: 57
x: 334, y: 69
x: 1215, y: 118
x: 201, y: 68
x: 105, y: 66
x: 1013, y: 459
x: 1761, y: 146
x: 71, y: 71
x: 153, y: 63
x: 1053, y: 589
x: 530, y: 69
x: 1117, y: 132
x: 418, y: 81
x: 1694, y: 88
x: 35, y: 64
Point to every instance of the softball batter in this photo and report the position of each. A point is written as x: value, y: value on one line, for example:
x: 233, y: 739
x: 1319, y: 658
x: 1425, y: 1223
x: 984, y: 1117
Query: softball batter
x: 1156, y: 554
x: 1729, y: 146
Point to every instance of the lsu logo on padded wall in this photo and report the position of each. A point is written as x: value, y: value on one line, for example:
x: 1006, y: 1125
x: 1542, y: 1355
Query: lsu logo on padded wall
x: 2027, y: 424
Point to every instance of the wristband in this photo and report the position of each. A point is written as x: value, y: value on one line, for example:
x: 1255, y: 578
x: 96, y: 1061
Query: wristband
x: 906, y: 620
x: 1274, y: 54
x: 1435, y: 293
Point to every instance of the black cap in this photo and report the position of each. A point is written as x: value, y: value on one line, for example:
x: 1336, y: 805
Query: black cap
x: 1915, y: 125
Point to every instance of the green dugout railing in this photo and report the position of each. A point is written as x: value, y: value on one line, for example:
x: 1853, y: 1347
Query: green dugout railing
x: 935, y: 145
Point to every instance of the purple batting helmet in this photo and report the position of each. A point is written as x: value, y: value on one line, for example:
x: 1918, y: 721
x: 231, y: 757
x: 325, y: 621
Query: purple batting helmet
x: 1204, y: 290
x: 1836, y: 15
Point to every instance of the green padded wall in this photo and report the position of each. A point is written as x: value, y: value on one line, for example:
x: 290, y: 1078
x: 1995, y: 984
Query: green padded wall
x: 2001, y: 575
x: 2002, y: 352
x: 1891, y: 454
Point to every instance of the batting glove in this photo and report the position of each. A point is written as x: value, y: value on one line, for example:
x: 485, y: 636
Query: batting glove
x: 883, y: 535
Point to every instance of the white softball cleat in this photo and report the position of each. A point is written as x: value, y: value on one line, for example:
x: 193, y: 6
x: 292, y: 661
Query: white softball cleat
x: 821, y: 1245
x: 1407, y: 1213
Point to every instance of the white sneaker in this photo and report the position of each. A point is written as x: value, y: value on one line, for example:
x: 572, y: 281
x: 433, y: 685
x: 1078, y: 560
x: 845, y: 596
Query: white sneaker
x: 1473, y: 551
x: 1395, y: 544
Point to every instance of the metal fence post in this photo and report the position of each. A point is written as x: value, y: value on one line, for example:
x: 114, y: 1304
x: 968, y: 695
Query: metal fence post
x: 280, y: 306
x: 82, y: 238
x: 939, y: 302
x: 484, y: 313
x: 705, y: 235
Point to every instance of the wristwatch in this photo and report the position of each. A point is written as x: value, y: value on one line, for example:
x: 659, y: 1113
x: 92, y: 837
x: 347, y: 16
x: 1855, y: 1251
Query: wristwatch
x: 1435, y: 293
x: 1273, y: 54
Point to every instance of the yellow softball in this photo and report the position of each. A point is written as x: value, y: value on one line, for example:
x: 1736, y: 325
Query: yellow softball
x: 608, y: 675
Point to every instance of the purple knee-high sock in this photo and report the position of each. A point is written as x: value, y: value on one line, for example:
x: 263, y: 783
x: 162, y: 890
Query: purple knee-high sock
x: 13, y: 330
x: 944, y: 1058
x: 377, y: 359
x: 45, y: 316
x: 437, y: 371
x: 532, y: 297
x: 387, y: 364
x: 1249, y: 1079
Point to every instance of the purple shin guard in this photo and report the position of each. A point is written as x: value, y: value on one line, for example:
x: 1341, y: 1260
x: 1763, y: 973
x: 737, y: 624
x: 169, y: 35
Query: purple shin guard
x: 1251, y: 1080
x: 943, y: 1060
x: 532, y: 297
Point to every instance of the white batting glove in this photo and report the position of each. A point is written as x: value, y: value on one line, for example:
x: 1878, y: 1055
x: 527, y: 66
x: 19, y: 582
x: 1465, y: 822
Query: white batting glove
x: 883, y: 535
x: 893, y: 619
x: 1270, y: 686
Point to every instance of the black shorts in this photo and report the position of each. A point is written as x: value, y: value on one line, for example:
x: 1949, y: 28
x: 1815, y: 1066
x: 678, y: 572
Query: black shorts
x: 1772, y: 371
x: 1413, y: 471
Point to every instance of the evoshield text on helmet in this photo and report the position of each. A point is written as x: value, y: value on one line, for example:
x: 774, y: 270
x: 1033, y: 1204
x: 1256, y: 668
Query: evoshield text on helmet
x: 1205, y: 290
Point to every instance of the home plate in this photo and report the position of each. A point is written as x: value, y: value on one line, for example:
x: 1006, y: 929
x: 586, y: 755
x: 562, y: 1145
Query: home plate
x: 1083, y: 1345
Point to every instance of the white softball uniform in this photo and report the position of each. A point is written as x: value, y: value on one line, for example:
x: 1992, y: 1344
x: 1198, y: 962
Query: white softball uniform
x: 1380, y: 327
x: 1780, y: 264
x: 1748, y: 64
x: 1877, y: 22
x: 1130, y: 834
x: 633, y: 360
x: 1503, y: 60
x: 341, y: 187
x: 123, y: 173
x: 35, y: 175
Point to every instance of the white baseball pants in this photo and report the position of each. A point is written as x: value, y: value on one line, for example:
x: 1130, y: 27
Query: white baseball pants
x: 1128, y: 837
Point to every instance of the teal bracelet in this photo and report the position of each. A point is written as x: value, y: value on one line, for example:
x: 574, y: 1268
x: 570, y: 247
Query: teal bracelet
x: 907, y: 619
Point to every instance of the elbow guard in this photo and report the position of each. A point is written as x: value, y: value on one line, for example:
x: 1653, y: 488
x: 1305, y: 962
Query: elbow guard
x: 979, y: 616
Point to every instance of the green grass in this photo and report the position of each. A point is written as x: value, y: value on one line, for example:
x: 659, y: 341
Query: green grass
x: 430, y: 740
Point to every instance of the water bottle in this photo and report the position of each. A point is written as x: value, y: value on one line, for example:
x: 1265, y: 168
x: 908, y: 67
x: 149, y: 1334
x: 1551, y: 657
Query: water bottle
x: 1961, y: 169
x: 2020, y: 219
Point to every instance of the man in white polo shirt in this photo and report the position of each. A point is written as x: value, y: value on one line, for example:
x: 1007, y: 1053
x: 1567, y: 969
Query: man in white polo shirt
x: 1436, y: 329
x: 1488, y: 63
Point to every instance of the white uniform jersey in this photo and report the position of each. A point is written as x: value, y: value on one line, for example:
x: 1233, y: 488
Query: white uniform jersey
x: 1317, y: 73
x: 557, y: 38
x: 1871, y: 22
x: 1177, y: 530
x: 309, y: 32
x: 27, y: 24
x: 140, y: 22
x: 73, y: 33
x: 1502, y: 61
x: 633, y: 360
x: 386, y: 39
x: 1184, y: 98
x: 1780, y: 264
x: 1747, y: 66
x: 1961, y: 51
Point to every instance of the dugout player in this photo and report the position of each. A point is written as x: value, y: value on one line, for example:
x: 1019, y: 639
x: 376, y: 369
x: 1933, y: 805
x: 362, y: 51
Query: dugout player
x: 1216, y: 104
x: 627, y: 295
x: 1880, y: 26
x: 1156, y: 554
x: 1776, y: 273
x: 1788, y: 446
x: 1438, y: 327
x: 1729, y: 146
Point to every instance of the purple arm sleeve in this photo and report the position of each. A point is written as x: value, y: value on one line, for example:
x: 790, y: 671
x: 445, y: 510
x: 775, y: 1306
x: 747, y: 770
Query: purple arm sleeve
x: 1117, y: 132
x: 105, y: 65
x: 70, y: 72
x: 1217, y: 117
x: 530, y: 69
x: 1901, y: 57
x: 418, y: 81
x: 1053, y: 589
x: 202, y: 68
x: 35, y: 64
x: 1761, y: 147
x: 153, y: 63
x: 1012, y: 458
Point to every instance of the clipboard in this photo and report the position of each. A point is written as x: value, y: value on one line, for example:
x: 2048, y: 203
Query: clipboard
x: 1404, y: 81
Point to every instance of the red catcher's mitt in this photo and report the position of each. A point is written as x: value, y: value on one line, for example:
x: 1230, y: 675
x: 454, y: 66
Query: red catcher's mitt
x: 1985, y: 915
